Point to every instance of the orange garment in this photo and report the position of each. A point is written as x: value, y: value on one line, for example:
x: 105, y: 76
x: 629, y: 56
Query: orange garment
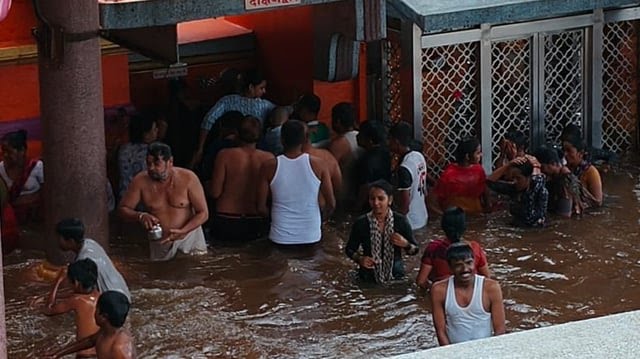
x: 462, y: 187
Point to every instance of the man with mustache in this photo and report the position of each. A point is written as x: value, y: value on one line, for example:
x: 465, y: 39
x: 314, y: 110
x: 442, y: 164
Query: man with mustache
x: 173, y: 198
x: 466, y: 306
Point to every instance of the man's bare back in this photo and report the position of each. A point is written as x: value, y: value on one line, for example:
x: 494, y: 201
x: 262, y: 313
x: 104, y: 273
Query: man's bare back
x: 235, y: 179
x: 330, y: 162
x: 118, y: 345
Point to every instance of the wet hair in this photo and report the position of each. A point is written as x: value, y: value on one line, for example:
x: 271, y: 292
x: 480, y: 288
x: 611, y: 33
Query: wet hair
x: 159, y: 150
x: 309, y: 101
x: 71, y: 228
x: 547, y: 155
x: 518, y: 138
x: 374, y: 131
x: 85, y: 272
x: 525, y: 168
x: 344, y: 115
x: 466, y: 146
x: 453, y: 223
x: 230, y: 121
x: 16, y: 140
x: 577, y: 142
x: 139, y: 125
x: 249, y: 129
x: 402, y: 132
x: 252, y: 77
x: 570, y: 130
x: 115, y: 306
x: 279, y: 115
x: 459, y: 251
x: 292, y: 134
x: 383, y: 185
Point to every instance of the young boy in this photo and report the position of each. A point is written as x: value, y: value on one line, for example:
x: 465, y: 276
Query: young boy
x: 111, y: 340
x: 83, y: 275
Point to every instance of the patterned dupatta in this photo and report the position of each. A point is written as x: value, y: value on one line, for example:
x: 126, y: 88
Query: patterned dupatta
x: 382, y: 249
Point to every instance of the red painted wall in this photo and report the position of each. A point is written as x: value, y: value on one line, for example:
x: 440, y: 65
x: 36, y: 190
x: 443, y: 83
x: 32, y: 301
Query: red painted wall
x: 16, y: 28
x: 284, y: 50
x: 285, y: 54
x: 20, y: 96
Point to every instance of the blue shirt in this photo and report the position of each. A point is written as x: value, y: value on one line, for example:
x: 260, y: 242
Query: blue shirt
x: 257, y: 107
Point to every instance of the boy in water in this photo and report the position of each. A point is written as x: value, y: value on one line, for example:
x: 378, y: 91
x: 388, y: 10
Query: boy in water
x: 83, y: 275
x: 111, y: 340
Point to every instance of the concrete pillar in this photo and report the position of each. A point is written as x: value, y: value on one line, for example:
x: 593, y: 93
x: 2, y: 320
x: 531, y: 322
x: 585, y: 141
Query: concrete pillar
x: 73, y: 123
x: 3, y: 328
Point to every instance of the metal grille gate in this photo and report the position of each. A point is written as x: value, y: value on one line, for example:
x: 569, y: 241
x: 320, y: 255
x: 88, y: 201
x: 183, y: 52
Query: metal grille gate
x: 534, y: 77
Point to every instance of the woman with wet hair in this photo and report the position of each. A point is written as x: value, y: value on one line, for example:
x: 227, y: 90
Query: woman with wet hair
x: 434, y: 265
x: 23, y: 177
x: 575, y: 152
x: 463, y: 183
x: 526, y: 189
x: 567, y: 195
x: 378, y: 238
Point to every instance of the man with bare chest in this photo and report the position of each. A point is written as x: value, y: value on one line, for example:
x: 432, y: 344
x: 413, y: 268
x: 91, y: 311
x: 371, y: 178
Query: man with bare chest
x: 233, y: 186
x: 174, y: 199
x: 466, y: 306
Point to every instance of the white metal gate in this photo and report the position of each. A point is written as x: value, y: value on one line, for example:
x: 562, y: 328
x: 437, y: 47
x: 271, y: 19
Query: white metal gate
x: 535, y: 77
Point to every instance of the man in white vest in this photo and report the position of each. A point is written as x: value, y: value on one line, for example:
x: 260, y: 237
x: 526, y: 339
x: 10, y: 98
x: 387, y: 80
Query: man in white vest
x: 466, y: 306
x: 294, y: 179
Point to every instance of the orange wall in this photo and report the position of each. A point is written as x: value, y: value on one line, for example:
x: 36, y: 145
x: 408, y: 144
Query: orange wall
x: 284, y: 50
x: 285, y: 54
x: 15, y: 30
x: 20, y: 96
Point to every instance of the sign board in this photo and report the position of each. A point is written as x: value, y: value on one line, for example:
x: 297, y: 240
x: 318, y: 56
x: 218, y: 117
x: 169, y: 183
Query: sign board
x: 265, y: 4
x: 170, y: 73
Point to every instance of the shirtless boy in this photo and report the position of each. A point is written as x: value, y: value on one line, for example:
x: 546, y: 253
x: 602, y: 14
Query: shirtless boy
x: 111, y: 341
x: 83, y: 275
x: 174, y: 199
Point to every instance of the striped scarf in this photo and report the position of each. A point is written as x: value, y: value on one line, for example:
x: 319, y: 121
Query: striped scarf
x: 381, y: 247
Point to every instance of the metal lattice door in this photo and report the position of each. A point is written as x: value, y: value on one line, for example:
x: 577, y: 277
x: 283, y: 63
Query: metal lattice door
x: 563, y: 94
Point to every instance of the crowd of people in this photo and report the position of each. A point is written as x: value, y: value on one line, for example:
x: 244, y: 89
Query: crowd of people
x: 265, y: 171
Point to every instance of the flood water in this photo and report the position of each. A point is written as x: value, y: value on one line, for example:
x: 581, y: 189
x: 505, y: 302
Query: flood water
x: 258, y: 301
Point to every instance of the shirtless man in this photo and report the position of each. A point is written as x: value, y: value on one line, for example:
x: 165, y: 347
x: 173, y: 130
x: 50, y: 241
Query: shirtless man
x: 329, y: 161
x: 233, y: 186
x: 111, y: 340
x: 174, y: 199
x: 83, y: 275
x: 295, y: 180
x: 481, y: 298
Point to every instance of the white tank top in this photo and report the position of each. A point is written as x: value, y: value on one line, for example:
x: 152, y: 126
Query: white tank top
x: 416, y: 165
x: 295, y: 212
x: 471, y: 322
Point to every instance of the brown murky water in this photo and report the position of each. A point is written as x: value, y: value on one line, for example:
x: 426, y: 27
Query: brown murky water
x: 259, y: 301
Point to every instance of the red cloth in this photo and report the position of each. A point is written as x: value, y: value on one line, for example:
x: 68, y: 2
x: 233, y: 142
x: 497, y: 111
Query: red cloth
x: 435, y: 255
x: 461, y: 186
x: 10, y: 233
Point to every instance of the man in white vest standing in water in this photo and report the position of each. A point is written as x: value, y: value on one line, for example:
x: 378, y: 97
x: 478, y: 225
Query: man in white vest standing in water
x: 294, y: 180
x: 466, y: 306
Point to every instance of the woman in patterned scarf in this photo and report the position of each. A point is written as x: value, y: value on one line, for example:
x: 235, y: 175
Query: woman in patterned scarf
x: 529, y: 196
x: 378, y: 237
x: 567, y: 195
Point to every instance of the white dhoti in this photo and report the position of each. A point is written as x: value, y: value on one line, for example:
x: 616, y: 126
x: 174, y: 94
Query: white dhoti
x: 193, y: 243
